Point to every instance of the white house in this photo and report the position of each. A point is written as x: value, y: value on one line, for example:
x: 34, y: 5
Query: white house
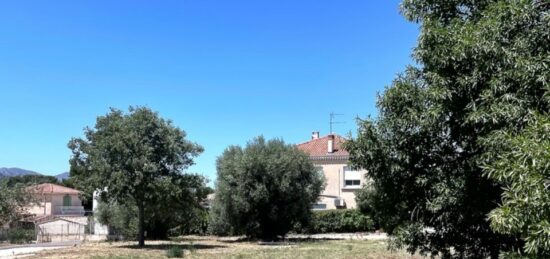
x: 342, y: 180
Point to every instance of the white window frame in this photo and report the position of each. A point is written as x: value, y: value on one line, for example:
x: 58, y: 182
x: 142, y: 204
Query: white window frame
x: 319, y: 206
x: 356, y: 178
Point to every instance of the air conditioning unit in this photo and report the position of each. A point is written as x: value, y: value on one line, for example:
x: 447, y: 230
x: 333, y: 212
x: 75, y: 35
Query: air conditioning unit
x: 339, y: 202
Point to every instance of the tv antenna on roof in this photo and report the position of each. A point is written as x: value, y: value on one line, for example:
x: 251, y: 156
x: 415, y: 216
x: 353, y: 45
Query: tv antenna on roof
x: 332, y: 122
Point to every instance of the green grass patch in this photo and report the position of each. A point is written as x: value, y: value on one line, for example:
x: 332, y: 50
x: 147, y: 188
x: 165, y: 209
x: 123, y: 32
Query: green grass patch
x: 174, y: 252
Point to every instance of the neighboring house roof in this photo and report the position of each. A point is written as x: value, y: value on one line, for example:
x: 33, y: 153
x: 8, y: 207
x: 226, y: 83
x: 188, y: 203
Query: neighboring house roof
x: 37, y: 218
x: 50, y: 188
x: 317, y: 148
x: 52, y: 219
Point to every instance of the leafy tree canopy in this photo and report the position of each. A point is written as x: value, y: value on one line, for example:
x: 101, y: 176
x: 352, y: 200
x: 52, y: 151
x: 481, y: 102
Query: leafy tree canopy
x: 483, y: 68
x: 263, y: 189
x: 13, y: 200
x: 136, y: 159
x: 523, y: 167
x: 29, y: 180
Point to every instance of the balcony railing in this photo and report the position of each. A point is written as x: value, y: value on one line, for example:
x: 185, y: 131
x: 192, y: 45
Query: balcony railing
x: 69, y: 210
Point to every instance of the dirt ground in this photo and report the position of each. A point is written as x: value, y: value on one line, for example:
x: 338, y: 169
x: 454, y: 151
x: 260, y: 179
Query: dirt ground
x: 214, y: 247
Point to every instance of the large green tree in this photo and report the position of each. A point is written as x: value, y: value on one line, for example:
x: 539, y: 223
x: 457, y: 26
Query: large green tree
x: 483, y: 67
x: 262, y: 190
x: 135, y: 159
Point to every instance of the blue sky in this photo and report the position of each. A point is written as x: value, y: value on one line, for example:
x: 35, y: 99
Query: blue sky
x: 224, y: 71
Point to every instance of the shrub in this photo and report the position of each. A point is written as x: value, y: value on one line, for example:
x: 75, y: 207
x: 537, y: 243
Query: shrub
x: 174, y: 252
x: 337, y: 221
x: 121, y: 218
x: 21, y: 236
x: 196, y: 223
x: 159, y: 224
x: 366, y: 204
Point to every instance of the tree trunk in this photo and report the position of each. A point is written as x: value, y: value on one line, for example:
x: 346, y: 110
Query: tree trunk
x: 141, y: 223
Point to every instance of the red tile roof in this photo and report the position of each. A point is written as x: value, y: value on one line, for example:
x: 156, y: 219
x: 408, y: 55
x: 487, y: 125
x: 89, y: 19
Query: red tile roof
x: 37, y: 218
x: 319, y: 147
x: 50, y: 188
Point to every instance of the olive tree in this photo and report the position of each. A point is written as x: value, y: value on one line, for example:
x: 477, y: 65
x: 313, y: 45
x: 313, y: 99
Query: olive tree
x: 263, y: 189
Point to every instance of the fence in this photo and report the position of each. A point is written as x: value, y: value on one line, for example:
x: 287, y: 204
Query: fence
x: 57, y: 229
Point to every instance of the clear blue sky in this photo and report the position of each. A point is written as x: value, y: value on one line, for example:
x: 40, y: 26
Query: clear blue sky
x: 224, y: 71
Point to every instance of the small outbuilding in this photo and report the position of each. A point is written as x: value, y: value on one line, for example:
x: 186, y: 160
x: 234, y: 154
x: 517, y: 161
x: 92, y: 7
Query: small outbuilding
x: 57, y: 229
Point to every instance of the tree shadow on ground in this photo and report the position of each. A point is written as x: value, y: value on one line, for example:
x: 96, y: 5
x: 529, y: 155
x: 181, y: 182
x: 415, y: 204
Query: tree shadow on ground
x: 190, y: 238
x: 235, y: 240
x: 309, y: 239
x: 293, y: 240
x: 167, y: 246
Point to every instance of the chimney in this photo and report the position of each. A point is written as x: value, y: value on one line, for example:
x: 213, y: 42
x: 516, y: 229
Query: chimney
x: 330, y: 146
x: 315, y: 135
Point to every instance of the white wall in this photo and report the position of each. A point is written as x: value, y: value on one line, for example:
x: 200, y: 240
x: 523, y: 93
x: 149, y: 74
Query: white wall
x: 60, y: 230
x: 50, y: 204
x: 334, y: 189
x: 57, y: 202
x: 98, y: 229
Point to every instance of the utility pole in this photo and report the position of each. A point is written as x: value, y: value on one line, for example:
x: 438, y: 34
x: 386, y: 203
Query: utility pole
x: 332, y: 122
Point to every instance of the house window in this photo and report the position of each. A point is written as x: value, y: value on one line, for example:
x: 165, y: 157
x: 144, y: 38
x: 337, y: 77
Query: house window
x: 352, y: 177
x: 353, y: 182
x: 67, y: 200
x: 319, y: 206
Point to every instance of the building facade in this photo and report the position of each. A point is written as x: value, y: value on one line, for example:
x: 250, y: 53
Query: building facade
x: 55, y: 200
x: 57, y: 213
x: 342, y: 180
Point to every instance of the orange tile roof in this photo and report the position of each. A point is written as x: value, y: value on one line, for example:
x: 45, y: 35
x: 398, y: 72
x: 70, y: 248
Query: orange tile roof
x: 37, y: 218
x: 50, y: 188
x: 318, y: 147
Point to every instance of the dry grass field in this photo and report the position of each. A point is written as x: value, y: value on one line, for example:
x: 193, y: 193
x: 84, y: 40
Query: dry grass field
x: 211, y: 247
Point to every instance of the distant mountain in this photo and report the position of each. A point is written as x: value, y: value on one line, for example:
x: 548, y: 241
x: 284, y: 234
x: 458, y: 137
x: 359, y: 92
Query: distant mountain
x: 10, y: 172
x: 62, y: 176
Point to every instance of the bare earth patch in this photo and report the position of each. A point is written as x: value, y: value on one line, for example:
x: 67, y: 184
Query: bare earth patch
x: 214, y: 247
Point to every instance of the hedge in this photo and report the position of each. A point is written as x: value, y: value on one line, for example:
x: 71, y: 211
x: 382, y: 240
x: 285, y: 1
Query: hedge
x: 21, y: 236
x: 337, y: 221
